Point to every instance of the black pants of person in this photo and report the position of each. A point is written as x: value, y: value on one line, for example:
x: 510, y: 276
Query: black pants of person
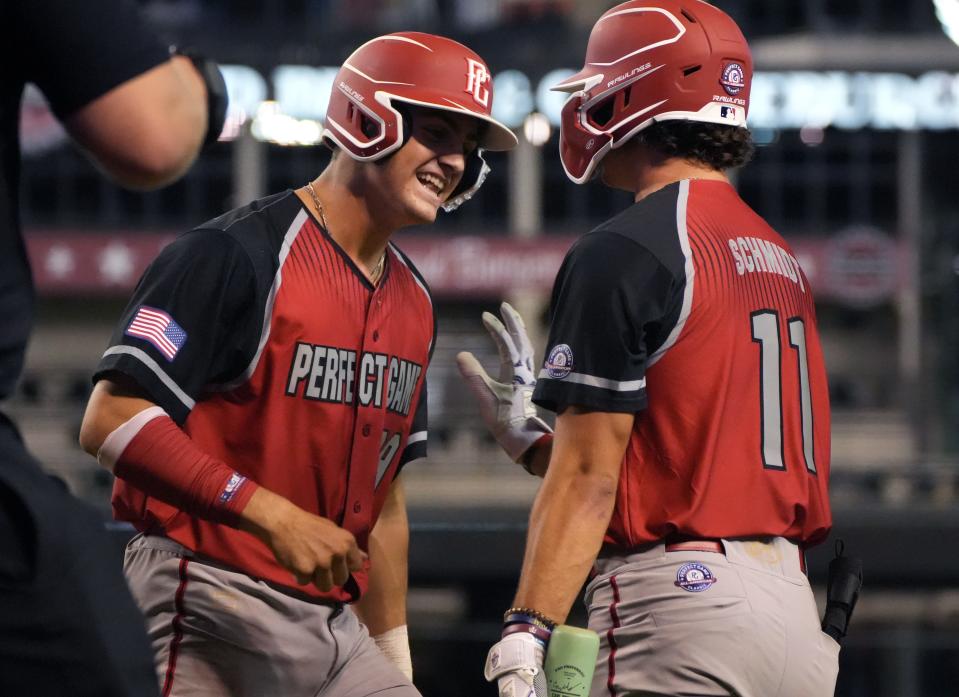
x: 68, y: 625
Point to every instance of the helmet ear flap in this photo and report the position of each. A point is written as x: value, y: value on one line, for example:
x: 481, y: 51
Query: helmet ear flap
x: 361, y: 121
x: 407, y: 121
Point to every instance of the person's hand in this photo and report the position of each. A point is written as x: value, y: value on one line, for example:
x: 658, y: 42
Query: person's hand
x: 515, y: 662
x: 315, y: 550
x: 506, y: 404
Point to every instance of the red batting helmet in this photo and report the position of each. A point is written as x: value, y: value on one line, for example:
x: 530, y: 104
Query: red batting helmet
x: 419, y: 69
x: 649, y: 61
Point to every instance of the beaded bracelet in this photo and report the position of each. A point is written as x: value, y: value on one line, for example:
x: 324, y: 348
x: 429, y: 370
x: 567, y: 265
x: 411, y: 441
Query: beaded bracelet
x: 535, y: 614
x: 522, y: 618
x: 541, y: 634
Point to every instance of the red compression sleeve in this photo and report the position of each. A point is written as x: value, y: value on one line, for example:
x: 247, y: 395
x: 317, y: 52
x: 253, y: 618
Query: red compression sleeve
x: 164, y: 462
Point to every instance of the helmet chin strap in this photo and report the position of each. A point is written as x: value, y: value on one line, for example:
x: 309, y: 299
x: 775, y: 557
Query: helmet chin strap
x: 462, y: 195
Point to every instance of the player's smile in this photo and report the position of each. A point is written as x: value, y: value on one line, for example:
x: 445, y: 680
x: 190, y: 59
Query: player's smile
x: 432, y: 182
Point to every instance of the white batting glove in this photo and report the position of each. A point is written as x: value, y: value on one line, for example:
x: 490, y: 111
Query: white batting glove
x: 516, y: 664
x: 506, y: 405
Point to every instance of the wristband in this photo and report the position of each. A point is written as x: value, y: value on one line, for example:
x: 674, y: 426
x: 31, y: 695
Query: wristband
x: 153, y: 454
x: 395, y: 645
x: 522, y: 618
x: 540, y: 633
x: 535, y: 614
x: 217, y: 99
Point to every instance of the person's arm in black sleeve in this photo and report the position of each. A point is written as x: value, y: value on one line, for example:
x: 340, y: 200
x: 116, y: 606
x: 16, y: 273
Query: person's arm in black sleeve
x: 139, y: 114
x: 194, y: 319
x: 610, y: 300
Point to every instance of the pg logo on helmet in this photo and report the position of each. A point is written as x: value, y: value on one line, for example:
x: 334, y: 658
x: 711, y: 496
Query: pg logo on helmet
x: 477, y: 81
x: 650, y: 61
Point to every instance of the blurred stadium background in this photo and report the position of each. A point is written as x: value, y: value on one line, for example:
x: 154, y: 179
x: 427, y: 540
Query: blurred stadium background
x: 855, y: 109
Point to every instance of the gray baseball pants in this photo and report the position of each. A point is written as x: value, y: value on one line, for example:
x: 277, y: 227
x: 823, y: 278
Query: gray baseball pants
x: 216, y: 632
x: 746, y: 626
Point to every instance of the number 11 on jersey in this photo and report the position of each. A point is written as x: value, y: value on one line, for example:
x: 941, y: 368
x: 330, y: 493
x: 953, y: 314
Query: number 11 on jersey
x: 772, y: 364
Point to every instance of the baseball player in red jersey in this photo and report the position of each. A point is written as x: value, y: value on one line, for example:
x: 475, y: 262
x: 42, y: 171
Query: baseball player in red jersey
x: 266, y: 385
x: 690, y: 460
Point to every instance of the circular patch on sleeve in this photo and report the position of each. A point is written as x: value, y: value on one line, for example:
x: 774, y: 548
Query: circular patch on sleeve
x: 694, y: 577
x: 559, y: 363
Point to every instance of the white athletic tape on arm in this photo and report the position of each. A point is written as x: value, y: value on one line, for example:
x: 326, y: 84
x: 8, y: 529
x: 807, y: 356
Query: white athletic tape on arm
x: 115, y: 443
x: 395, y: 645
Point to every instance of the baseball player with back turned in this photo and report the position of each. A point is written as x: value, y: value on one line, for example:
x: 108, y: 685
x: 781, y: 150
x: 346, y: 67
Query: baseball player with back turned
x: 266, y: 384
x: 690, y: 459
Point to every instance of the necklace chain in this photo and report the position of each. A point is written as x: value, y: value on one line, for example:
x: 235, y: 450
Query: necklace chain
x: 377, y: 270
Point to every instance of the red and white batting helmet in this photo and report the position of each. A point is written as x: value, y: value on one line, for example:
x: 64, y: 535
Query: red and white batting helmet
x: 650, y: 61
x: 419, y: 69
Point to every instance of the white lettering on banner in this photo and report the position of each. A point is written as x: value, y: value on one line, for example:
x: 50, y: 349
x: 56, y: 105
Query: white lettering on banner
x: 304, y: 91
x: 477, y: 78
x: 854, y: 100
x: 792, y: 99
x: 514, y: 97
x: 460, y: 266
x: 245, y: 88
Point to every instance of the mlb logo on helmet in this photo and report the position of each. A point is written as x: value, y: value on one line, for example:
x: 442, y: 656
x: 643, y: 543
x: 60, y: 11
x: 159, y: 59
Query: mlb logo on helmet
x: 733, y: 79
x: 728, y: 112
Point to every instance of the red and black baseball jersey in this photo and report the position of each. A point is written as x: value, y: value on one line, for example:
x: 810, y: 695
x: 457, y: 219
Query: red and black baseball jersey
x: 690, y: 311
x: 262, y: 339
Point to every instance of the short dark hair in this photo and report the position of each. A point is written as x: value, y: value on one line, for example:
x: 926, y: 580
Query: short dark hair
x: 714, y: 145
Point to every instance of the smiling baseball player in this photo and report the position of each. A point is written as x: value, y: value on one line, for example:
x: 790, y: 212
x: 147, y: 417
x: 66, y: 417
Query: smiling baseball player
x: 266, y: 385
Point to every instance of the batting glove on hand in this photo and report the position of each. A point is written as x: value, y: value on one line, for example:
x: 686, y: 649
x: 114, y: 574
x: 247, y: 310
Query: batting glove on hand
x: 506, y: 405
x: 516, y: 664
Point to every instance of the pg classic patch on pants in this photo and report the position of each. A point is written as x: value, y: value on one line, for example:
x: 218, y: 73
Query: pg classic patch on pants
x: 695, y: 577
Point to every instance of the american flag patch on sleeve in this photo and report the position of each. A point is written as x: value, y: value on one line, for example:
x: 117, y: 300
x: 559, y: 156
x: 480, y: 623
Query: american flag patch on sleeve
x: 159, y: 329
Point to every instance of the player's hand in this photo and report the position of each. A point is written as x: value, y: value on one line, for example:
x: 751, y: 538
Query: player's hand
x: 314, y: 549
x: 516, y: 664
x: 506, y: 404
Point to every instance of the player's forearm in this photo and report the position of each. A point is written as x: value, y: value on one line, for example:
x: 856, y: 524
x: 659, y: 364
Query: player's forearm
x: 147, y: 131
x: 383, y: 606
x: 264, y: 514
x: 572, y: 509
x: 139, y: 443
x: 569, y: 518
